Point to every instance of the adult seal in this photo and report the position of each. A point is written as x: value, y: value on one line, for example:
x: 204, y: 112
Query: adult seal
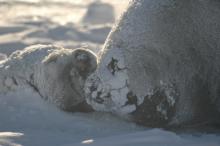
x: 160, y: 65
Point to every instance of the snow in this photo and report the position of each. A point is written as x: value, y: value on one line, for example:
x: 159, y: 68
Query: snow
x: 2, y: 56
x: 40, y: 123
x: 154, y: 137
x: 94, y: 14
x: 28, y: 120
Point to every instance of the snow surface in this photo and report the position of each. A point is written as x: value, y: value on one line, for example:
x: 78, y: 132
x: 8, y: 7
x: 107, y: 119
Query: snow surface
x: 27, y: 120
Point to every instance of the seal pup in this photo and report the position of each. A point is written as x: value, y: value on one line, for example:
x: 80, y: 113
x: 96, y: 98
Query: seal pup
x: 57, y: 74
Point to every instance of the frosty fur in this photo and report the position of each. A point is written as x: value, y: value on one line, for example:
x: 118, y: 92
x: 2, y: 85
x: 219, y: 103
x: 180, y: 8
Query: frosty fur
x: 161, y: 64
x: 57, y: 74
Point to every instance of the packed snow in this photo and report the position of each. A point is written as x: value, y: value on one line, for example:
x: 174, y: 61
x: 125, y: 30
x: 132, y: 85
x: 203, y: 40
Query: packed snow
x: 28, y: 120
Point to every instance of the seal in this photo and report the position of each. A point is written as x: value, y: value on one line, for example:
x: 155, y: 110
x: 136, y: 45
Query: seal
x: 57, y: 74
x: 160, y: 65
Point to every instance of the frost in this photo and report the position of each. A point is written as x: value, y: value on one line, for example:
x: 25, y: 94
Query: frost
x: 55, y: 73
x: 166, y: 54
x: 108, y: 87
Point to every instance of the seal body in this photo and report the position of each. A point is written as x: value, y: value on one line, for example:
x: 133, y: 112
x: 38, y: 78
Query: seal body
x: 161, y: 64
x: 57, y: 74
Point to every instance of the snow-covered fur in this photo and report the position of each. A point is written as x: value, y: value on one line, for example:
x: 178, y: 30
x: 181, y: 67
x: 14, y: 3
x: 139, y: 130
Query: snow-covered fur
x: 161, y: 64
x: 57, y: 74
